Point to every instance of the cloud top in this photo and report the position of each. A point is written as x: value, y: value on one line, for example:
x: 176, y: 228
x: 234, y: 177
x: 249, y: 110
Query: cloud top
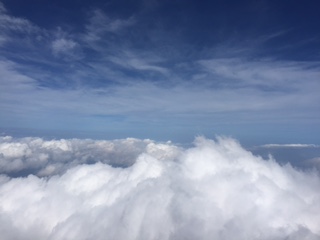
x: 50, y: 157
x: 214, y: 190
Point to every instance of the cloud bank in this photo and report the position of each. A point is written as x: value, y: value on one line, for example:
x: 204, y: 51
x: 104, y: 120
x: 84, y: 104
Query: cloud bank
x: 141, y: 189
x: 46, y: 158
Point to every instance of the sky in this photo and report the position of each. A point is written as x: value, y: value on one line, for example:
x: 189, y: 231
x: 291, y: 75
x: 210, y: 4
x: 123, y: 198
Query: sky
x: 147, y: 119
x: 165, y: 70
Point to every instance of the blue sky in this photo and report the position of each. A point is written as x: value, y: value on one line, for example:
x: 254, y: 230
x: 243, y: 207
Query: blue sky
x: 166, y: 70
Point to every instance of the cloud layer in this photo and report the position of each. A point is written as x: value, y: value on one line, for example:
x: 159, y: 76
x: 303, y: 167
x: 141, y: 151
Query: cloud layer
x: 141, y: 189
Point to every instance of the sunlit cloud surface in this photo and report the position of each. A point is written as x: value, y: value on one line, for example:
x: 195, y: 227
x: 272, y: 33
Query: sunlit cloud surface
x: 142, y: 189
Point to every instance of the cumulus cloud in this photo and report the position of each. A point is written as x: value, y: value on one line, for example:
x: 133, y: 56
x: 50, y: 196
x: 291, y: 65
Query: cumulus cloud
x: 214, y: 190
x: 46, y: 158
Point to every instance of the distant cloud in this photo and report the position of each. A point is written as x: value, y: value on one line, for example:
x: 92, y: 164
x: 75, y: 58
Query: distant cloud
x: 214, y: 190
x: 289, y: 146
x: 46, y: 158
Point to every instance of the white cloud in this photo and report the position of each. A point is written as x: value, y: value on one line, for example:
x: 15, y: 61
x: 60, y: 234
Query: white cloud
x: 66, y: 49
x: 286, y: 75
x: 60, y: 46
x: 65, y: 46
x: 215, y: 190
x: 21, y: 95
x: 100, y: 23
x: 292, y: 145
x: 10, y: 23
x: 144, y: 62
x: 44, y: 158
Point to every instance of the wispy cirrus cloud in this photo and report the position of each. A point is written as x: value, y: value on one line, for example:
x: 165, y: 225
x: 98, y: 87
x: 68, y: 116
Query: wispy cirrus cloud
x: 11, y: 23
x: 265, y: 73
x: 102, y: 70
x: 99, y: 25
x: 64, y: 46
x: 140, y: 62
x: 133, y: 98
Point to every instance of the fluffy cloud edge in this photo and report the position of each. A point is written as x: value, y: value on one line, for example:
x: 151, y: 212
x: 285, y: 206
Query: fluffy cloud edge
x: 215, y: 189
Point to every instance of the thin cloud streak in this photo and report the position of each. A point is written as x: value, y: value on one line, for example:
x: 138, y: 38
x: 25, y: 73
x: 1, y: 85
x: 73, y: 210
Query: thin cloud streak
x: 292, y: 145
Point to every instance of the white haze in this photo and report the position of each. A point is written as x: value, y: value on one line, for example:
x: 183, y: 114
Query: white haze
x: 140, y: 189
